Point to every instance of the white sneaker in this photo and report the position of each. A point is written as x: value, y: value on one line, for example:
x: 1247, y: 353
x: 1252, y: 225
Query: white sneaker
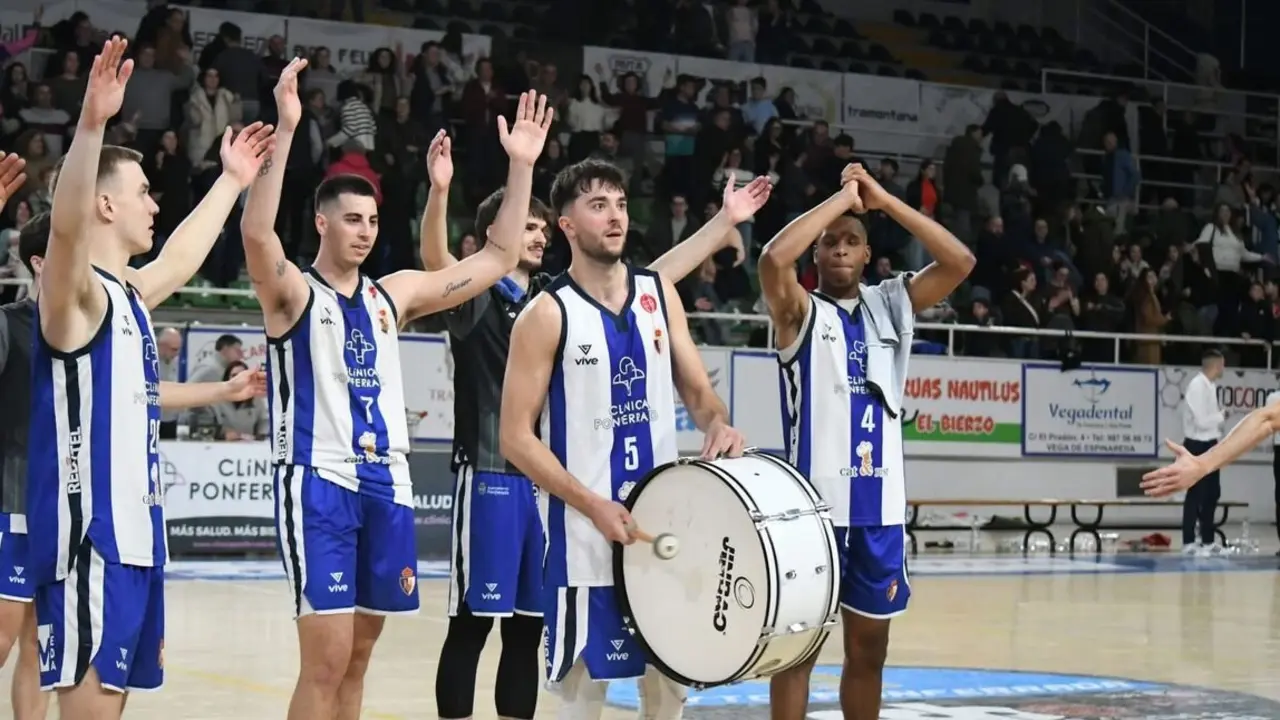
x: 1192, y: 549
x: 1213, y: 550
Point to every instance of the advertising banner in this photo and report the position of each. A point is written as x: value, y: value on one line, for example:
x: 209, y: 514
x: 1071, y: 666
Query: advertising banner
x: 655, y: 70
x: 352, y: 45
x: 818, y: 94
x: 257, y: 27
x: 877, y: 104
x: 1091, y: 411
x: 218, y: 497
x: 1239, y: 393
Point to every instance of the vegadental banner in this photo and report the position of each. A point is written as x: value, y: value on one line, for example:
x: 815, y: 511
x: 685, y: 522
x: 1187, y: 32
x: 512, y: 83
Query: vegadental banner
x: 220, y: 499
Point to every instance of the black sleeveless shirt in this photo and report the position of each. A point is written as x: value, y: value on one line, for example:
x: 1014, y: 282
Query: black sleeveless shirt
x: 17, y: 322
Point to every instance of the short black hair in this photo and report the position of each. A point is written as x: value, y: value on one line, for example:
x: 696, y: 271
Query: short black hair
x: 225, y: 341
x: 33, y: 239
x: 488, y: 212
x: 576, y: 180
x: 1211, y: 354
x: 331, y: 188
x: 844, y: 140
x: 760, y: 81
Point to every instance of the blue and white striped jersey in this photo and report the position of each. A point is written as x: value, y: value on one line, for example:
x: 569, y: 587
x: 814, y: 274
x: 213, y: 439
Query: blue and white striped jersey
x: 336, y: 397
x: 93, y: 460
x: 609, y: 417
x: 837, y: 430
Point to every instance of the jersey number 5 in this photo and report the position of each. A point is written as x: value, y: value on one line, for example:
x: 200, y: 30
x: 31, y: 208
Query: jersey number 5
x: 631, y: 461
x: 869, y: 419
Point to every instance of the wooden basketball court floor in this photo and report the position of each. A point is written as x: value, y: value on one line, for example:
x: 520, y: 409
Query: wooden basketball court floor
x: 231, y: 650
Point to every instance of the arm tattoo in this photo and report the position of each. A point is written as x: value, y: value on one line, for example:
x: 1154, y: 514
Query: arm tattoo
x: 266, y: 166
x: 455, y: 286
x: 281, y: 266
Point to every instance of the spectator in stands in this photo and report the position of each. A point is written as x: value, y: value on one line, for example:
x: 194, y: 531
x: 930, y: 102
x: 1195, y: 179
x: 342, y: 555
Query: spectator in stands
x: 229, y: 350
x: 273, y: 63
x: 796, y: 190
x: 1050, y: 166
x: 149, y: 97
x: 760, y: 110
x: 168, y: 347
x: 169, y: 170
x: 671, y: 228
x: 1010, y: 127
x: 467, y: 246
x: 886, y: 236
x: 432, y: 93
x: 33, y: 148
x: 772, y: 32
x: 173, y: 42
x: 242, y: 419
x: 998, y: 258
x: 77, y: 34
x: 356, y: 122
x: 320, y: 74
x: 979, y: 315
x: 387, y: 80
x: 678, y: 121
x: 1261, y: 215
x: 1061, y: 305
x: 15, y: 91
x: 16, y: 215
x: 1120, y: 179
x: 1229, y: 252
x: 1229, y: 192
x: 609, y: 150
x: 1102, y: 311
x: 242, y: 73
x: 700, y: 296
x: 586, y: 118
x: 550, y: 163
x: 355, y: 161
x: 43, y: 116
x: 961, y: 178
x: 1148, y: 317
x: 742, y: 27
x: 210, y: 110
x: 69, y: 85
x: 1202, y: 420
x: 1133, y: 265
x: 1256, y: 323
x: 1025, y: 309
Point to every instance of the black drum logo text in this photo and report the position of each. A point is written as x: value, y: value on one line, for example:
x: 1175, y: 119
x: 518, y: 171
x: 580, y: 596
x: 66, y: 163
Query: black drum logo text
x: 724, y: 588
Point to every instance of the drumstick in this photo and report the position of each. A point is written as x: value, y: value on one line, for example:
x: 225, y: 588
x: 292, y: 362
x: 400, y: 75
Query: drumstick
x: 665, y: 545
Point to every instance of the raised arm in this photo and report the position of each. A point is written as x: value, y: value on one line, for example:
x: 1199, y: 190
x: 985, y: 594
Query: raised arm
x: 952, y: 259
x: 718, y: 232
x: 784, y: 296
x: 180, y: 396
x: 420, y: 293
x: 530, y: 362
x: 1187, y: 469
x: 279, y: 285
x: 705, y: 407
x: 72, y: 300
x: 189, y: 245
x: 434, y: 244
x: 12, y: 177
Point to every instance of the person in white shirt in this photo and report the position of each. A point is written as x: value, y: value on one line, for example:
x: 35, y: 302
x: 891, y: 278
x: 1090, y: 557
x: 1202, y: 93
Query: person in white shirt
x: 1202, y: 420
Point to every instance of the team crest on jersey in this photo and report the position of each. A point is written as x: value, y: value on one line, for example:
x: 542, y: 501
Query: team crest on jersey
x: 625, y: 490
x: 383, y: 323
x: 649, y: 303
x: 369, y: 443
x: 657, y: 340
x: 864, y: 455
x: 892, y: 591
x: 408, y: 580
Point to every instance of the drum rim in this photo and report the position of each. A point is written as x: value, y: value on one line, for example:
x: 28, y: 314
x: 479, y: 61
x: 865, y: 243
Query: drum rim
x: 624, y: 600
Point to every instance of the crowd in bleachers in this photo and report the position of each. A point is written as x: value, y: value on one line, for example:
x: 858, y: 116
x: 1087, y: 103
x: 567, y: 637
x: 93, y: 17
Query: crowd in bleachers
x: 1066, y: 239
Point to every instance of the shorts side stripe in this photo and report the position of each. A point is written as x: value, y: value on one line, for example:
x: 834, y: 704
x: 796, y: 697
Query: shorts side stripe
x: 291, y: 518
x: 566, y: 630
x: 906, y: 543
x: 76, y: 618
x: 460, y: 568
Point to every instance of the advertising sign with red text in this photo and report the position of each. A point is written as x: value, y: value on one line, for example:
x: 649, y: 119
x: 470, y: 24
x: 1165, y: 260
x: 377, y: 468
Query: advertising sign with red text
x: 960, y: 407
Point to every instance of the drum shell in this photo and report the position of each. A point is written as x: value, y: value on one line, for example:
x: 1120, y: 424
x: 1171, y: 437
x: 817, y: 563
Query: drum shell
x: 756, y: 580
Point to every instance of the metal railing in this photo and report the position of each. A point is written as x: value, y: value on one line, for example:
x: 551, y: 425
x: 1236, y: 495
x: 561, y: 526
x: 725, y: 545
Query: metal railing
x: 1117, y: 28
x: 950, y: 330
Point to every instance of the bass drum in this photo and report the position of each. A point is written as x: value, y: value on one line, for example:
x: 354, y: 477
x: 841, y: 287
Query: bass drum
x: 753, y: 589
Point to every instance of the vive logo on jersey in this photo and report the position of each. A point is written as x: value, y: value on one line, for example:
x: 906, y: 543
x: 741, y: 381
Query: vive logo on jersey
x: 627, y: 373
x: 16, y: 578
x: 489, y: 593
x: 123, y: 663
x: 828, y: 333
x: 326, y: 320
x: 338, y: 586
x: 45, y: 648
x: 586, y: 358
x: 359, y: 346
x: 617, y: 655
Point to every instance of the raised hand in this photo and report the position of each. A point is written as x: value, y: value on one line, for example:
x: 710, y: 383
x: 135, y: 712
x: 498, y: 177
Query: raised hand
x: 243, y: 156
x: 11, y: 176
x: 246, y: 385
x: 524, y: 141
x: 288, y: 106
x: 874, y: 197
x: 104, y: 92
x: 747, y: 200
x: 1185, y: 471
x: 849, y: 186
x: 440, y: 160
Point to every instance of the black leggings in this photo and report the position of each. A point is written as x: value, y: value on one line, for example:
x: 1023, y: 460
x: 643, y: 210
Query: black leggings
x: 516, y: 689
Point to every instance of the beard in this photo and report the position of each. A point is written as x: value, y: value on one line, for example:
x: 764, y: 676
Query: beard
x: 597, y: 251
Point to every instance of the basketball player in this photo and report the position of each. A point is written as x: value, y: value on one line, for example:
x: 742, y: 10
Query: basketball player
x: 96, y: 522
x: 340, y: 436
x: 17, y: 615
x: 600, y: 349
x: 844, y: 352
x: 1187, y: 469
x: 496, y: 563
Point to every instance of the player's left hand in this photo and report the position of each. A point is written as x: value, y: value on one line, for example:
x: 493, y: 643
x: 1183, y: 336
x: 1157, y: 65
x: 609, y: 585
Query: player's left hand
x: 243, y: 156
x: 873, y: 195
x: 11, y: 176
x: 740, y: 204
x: 1185, y: 471
x: 722, y: 440
x: 246, y: 385
x: 440, y: 160
x: 524, y: 141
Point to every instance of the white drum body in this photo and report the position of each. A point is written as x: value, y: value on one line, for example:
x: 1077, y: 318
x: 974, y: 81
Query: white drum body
x: 753, y: 589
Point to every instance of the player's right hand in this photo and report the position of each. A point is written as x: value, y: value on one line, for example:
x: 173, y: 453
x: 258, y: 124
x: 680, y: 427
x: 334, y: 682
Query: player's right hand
x: 849, y: 188
x: 528, y: 133
x: 288, y: 106
x: 440, y: 160
x: 1185, y: 471
x: 104, y: 91
x: 11, y: 176
x: 613, y: 521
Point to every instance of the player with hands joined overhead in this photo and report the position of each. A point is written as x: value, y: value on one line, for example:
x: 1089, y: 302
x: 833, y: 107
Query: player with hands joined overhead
x: 96, y: 398
x: 339, y: 431
x: 844, y: 353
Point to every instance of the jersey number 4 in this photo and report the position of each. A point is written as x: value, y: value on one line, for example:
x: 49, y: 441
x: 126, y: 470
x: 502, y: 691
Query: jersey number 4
x: 869, y: 419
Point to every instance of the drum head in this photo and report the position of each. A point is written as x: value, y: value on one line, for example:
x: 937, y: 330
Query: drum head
x: 701, y: 613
